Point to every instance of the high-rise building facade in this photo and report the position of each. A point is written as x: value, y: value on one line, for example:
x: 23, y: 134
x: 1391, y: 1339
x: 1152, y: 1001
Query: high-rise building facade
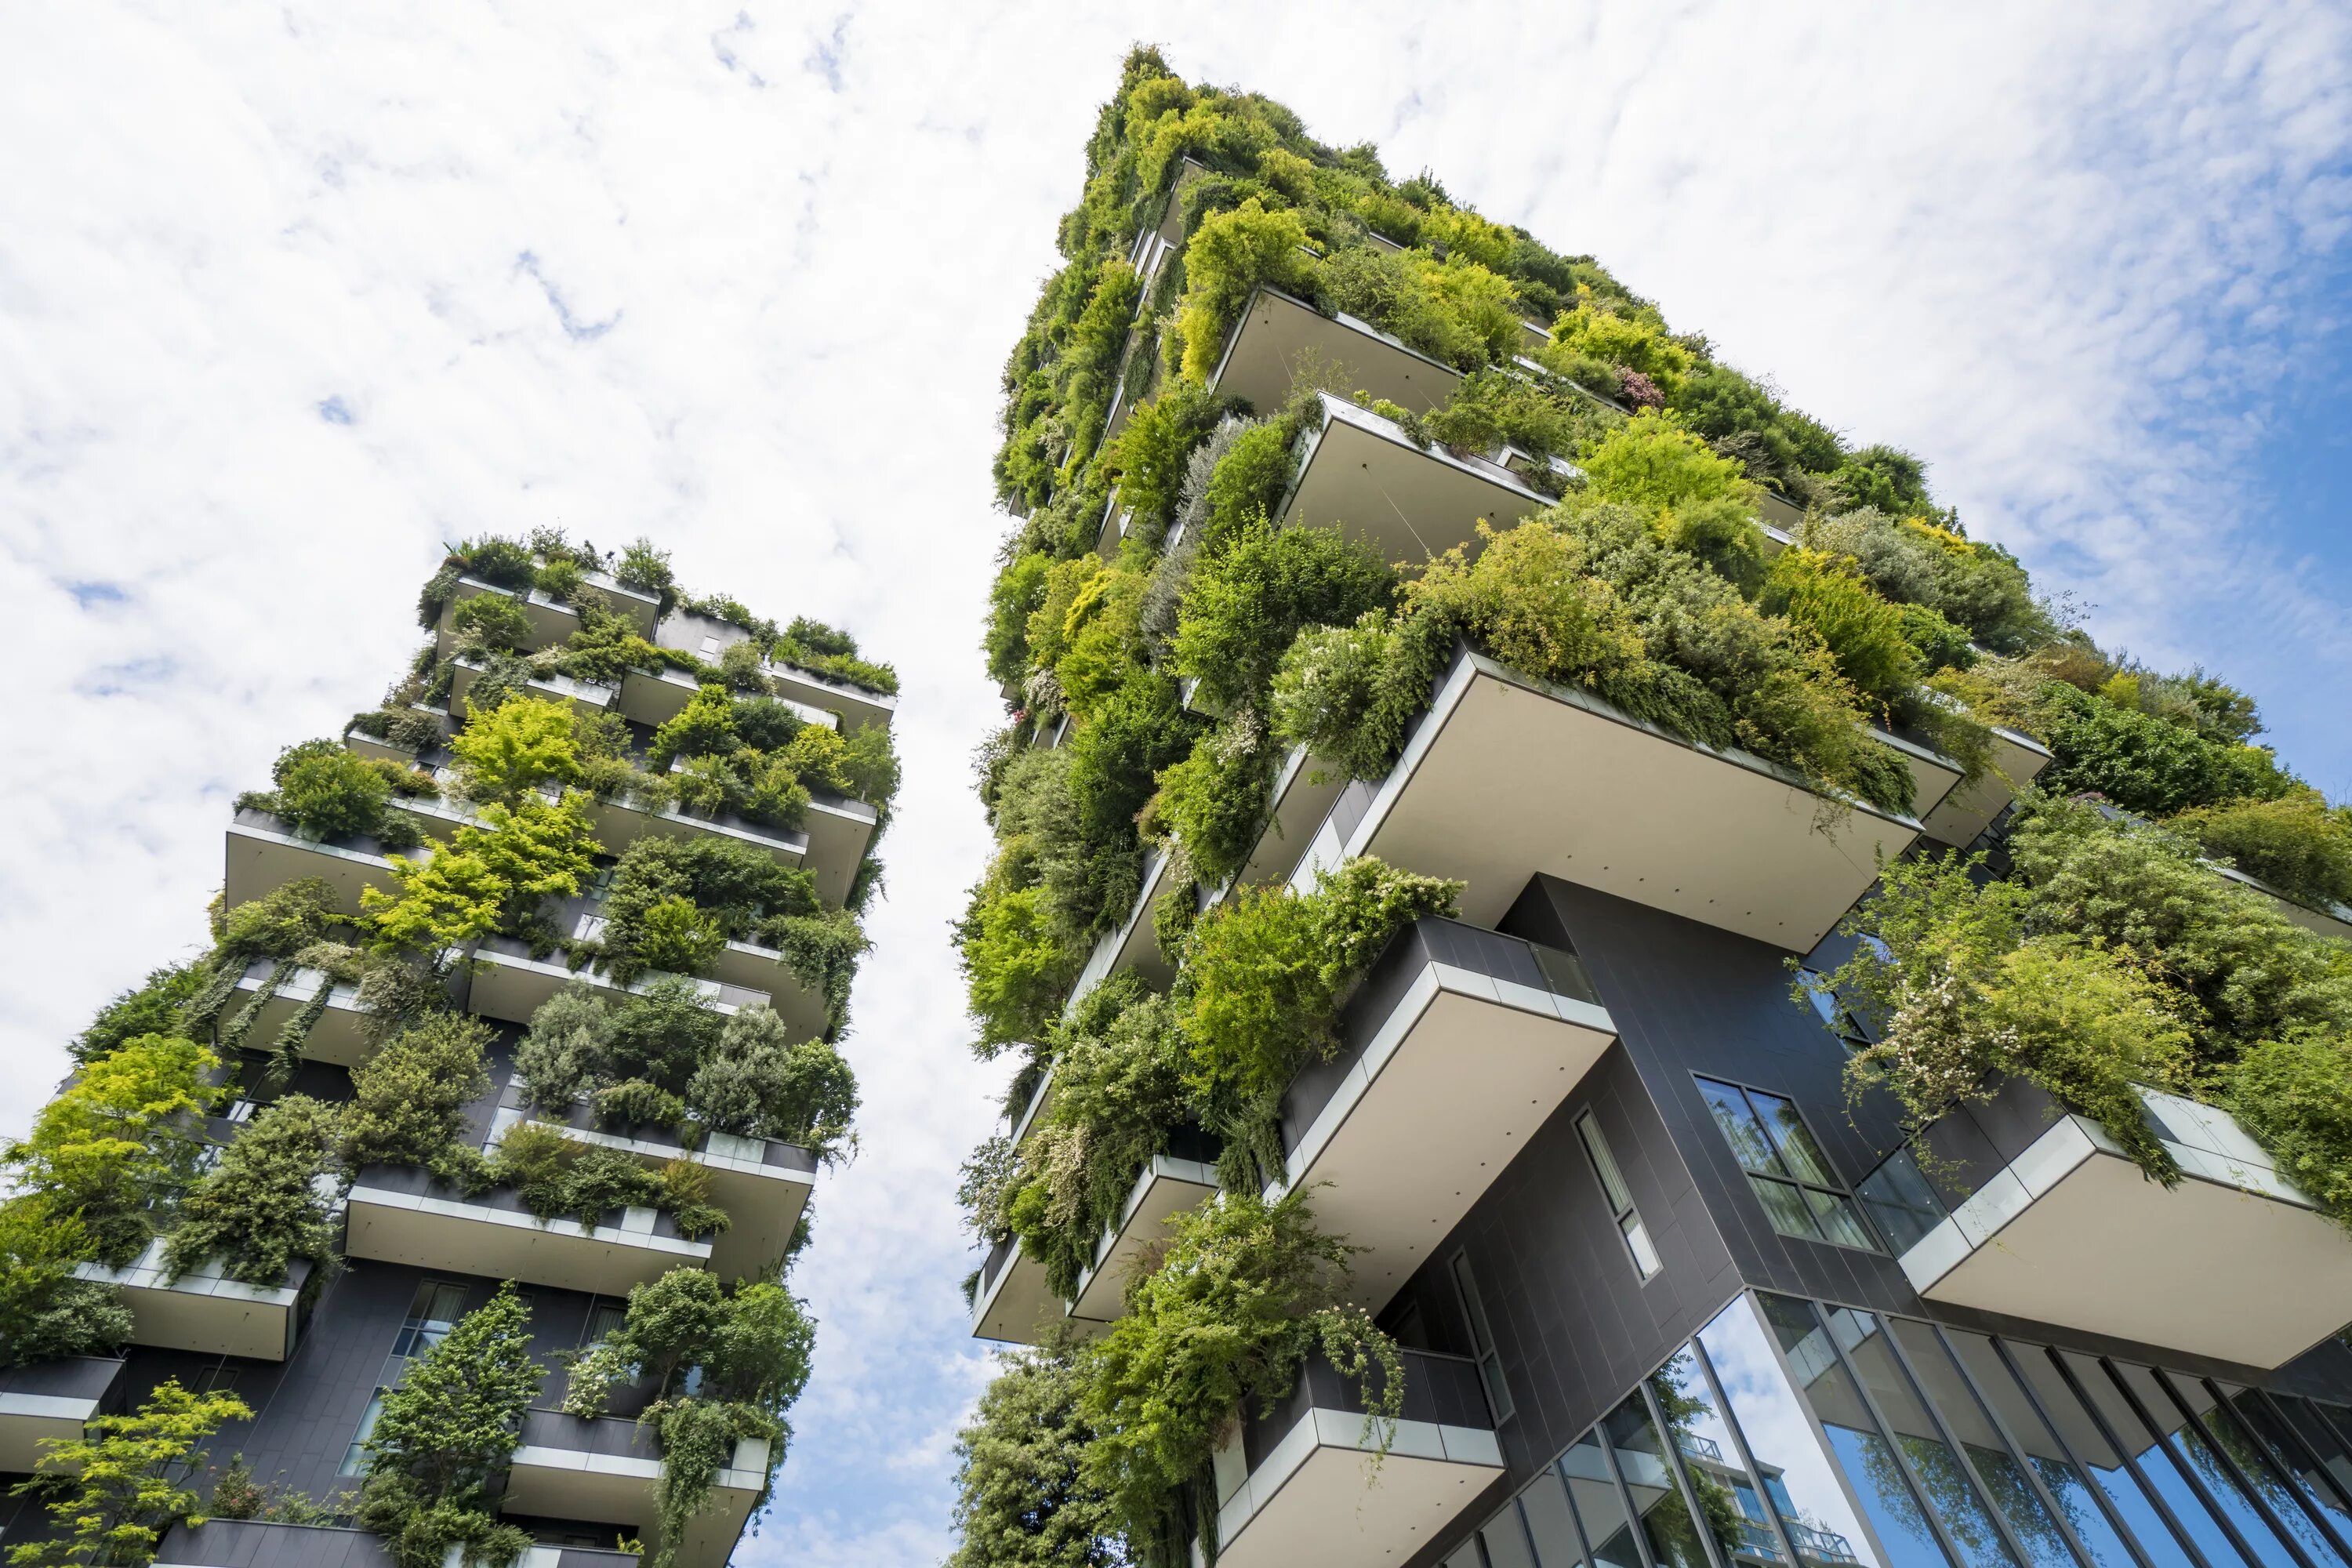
x: 443, y: 1210
x: 1593, y: 981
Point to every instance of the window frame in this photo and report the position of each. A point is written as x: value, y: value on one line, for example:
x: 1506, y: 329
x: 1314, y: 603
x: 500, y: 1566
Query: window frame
x: 1483, y: 1347
x: 1610, y: 1176
x: 1785, y: 1175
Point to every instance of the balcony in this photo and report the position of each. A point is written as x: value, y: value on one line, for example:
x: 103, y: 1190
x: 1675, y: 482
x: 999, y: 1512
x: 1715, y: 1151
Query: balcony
x: 2321, y: 920
x: 856, y: 706
x: 1363, y: 472
x: 587, y: 696
x: 762, y: 1183
x: 837, y: 829
x: 402, y: 1215
x: 338, y: 1035
x: 204, y: 1310
x: 746, y: 974
x: 605, y: 1469
x: 1297, y: 1487
x: 1135, y: 945
x: 1505, y: 776
x: 1013, y: 1304
x: 258, y: 1543
x: 1171, y: 1184
x: 617, y: 824
x: 1969, y: 808
x: 508, y: 983
x: 265, y: 853
x: 1460, y: 1044
x: 552, y: 620
x: 2030, y: 1211
x: 1277, y: 334
x: 1301, y: 798
x: 50, y: 1402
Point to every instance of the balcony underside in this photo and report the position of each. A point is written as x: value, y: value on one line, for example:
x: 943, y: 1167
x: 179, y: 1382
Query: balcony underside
x: 429, y: 1230
x: 1016, y: 1306
x: 616, y: 826
x: 1362, y: 473
x: 263, y: 855
x: 1279, y: 336
x: 837, y: 832
x: 1457, y: 1080
x: 203, y: 1312
x: 1508, y: 776
x: 856, y: 706
x: 614, y: 1481
x: 1167, y: 1187
x: 1970, y: 808
x: 2072, y: 1233
x: 338, y: 1036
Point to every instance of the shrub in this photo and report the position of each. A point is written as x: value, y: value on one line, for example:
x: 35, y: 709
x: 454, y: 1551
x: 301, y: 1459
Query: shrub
x: 2144, y: 763
x: 516, y: 747
x: 259, y: 1208
x: 1022, y: 1492
x: 567, y: 1049
x: 486, y: 878
x: 45, y: 1311
x: 704, y: 727
x: 1228, y: 255
x: 1865, y: 633
x: 1012, y: 600
x: 1654, y: 465
x: 151, y: 1007
x: 1491, y: 407
x: 1215, y: 801
x: 2295, y: 1095
x: 1635, y: 342
x: 408, y: 1101
x: 1890, y: 480
x: 1740, y: 417
x: 446, y: 1434
x: 647, y: 570
x: 114, y: 1491
x: 119, y: 1143
x: 1154, y: 453
x: 1253, y: 592
x: 633, y: 1102
x: 760, y: 1083
x: 2298, y: 844
x: 1248, y: 1291
x: 329, y: 791
x: 1015, y: 965
x: 490, y: 622
x: 675, y: 935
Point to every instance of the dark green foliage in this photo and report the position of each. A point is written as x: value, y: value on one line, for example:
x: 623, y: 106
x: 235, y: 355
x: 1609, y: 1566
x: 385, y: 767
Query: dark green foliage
x: 1114, y: 761
x: 1746, y: 419
x: 258, y: 1209
x: 1019, y: 589
x: 815, y: 647
x: 329, y: 791
x: 1023, y: 1499
x: 760, y: 1083
x: 1152, y: 453
x: 2144, y: 763
x: 1250, y: 479
x: 735, y: 887
x: 1215, y: 801
x: 150, y: 1007
x: 408, y: 1101
x: 647, y: 570
x: 446, y: 1434
x: 1253, y: 593
x: 1886, y: 477
x: 2298, y: 844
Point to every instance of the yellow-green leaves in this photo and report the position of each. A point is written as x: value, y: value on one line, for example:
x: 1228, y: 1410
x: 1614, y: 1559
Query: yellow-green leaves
x: 1231, y: 253
x: 517, y: 746
x: 484, y: 875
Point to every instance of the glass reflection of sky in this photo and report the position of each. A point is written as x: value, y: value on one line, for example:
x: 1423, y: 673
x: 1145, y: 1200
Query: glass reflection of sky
x: 1773, y: 1420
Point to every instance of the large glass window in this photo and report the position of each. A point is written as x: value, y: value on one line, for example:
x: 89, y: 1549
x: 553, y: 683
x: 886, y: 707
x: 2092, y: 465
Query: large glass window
x: 440, y: 1303
x: 2324, y: 1444
x: 1785, y: 1165
x: 1731, y: 1501
x: 2196, y: 1455
x: 2002, y: 1478
x: 1942, y: 1479
x: 1505, y: 1540
x: 2088, y: 1439
x: 2302, y: 1511
x: 355, y: 1453
x: 1592, y: 1484
x: 1618, y: 1197
x: 1544, y: 1506
x: 2156, y: 1463
x: 2034, y: 1437
x: 1650, y: 1482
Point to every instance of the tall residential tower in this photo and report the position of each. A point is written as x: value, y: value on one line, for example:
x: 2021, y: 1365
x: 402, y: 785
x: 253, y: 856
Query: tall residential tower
x: 452, y: 1190
x: 1593, y: 980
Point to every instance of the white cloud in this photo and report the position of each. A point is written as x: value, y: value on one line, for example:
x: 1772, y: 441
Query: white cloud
x: 290, y: 295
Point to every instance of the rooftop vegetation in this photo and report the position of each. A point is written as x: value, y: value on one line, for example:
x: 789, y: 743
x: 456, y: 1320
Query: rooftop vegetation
x: 1158, y: 674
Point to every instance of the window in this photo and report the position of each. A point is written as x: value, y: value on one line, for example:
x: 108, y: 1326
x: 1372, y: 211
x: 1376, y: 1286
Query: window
x: 604, y: 1320
x: 1621, y: 1201
x: 355, y: 1456
x: 1482, y: 1339
x: 1790, y: 1175
x: 1833, y: 1011
x: 438, y: 1305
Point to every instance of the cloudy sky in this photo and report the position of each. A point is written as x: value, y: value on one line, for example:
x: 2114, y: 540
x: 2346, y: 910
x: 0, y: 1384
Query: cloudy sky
x: 290, y: 294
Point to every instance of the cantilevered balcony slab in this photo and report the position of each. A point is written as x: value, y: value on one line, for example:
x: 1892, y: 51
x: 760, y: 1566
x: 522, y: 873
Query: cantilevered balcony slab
x: 1014, y: 1305
x: 552, y: 620
x: 1933, y: 776
x: 1302, y: 796
x: 401, y: 1215
x: 1167, y: 1185
x: 763, y: 1183
x: 586, y: 696
x: 837, y: 829
x: 2068, y: 1231
x: 1135, y: 943
x: 507, y: 982
x: 338, y: 1035
x: 742, y: 967
x: 1460, y: 1044
x: 265, y: 853
x: 50, y: 1402
x: 1363, y: 472
x: 1970, y: 808
x: 1505, y: 776
x: 1302, y: 1488
x: 617, y: 824
x: 205, y: 1310
x: 1280, y: 335
x: 2320, y: 917
x: 858, y: 706
x: 607, y: 1469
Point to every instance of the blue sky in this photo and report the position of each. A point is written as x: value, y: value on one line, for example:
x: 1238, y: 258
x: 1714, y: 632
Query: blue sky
x: 290, y: 294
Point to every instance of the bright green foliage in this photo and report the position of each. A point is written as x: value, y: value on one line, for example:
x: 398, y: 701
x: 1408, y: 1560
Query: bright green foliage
x: 676, y: 936
x: 1634, y: 340
x: 516, y: 747
x: 1863, y: 633
x: 1252, y: 594
x: 760, y: 1083
x: 1012, y: 600
x: 704, y: 727
x: 1977, y: 587
x: 1229, y: 255
x: 1491, y: 407
x: 325, y: 790
x: 116, y: 1490
x: 2297, y: 843
x: 1022, y: 1498
x: 819, y: 648
x: 1248, y: 1291
x: 2295, y: 1095
x: 257, y: 1210
x: 1215, y: 801
x: 1250, y: 479
x: 408, y: 1101
x: 752, y: 1345
x: 1150, y: 456
x: 1264, y: 973
x: 119, y: 1141
x: 1893, y: 480
x: 45, y: 1311
x: 2145, y: 763
x: 490, y: 621
x: 1014, y: 967
x: 446, y: 1433
x: 485, y: 877
x: 1652, y: 464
